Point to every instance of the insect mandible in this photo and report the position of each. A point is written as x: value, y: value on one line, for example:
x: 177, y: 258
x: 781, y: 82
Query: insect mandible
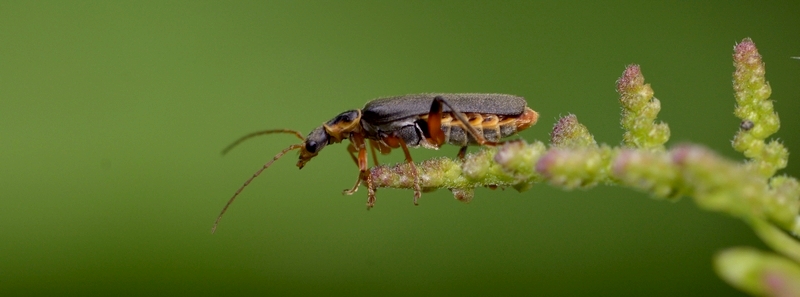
x: 426, y: 120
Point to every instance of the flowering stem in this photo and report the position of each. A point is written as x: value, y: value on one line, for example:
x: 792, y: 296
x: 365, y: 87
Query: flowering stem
x: 747, y: 190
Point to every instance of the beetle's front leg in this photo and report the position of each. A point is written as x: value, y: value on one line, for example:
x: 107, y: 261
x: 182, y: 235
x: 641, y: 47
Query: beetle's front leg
x: 353, y: 150
x: 359, y: 145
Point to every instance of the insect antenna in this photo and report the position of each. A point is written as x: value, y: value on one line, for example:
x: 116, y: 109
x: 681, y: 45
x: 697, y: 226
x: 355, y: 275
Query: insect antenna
x: 278, y: 156
x: 265, y: 132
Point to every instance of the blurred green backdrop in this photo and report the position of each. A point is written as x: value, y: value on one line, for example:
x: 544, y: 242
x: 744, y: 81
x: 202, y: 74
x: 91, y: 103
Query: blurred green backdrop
x: 113, y: 114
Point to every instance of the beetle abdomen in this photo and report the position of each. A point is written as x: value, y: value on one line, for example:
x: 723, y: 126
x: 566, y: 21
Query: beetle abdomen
x: 492, y: 127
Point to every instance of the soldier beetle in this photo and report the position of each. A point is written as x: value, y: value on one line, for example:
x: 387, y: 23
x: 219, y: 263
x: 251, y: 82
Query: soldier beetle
x: 420, y: 120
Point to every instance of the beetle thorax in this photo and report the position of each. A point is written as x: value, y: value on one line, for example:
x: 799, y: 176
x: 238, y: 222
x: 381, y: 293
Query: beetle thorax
x: 341, y: 126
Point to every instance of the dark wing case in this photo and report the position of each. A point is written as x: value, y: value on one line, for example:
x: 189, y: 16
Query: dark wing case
x: 384, y: 110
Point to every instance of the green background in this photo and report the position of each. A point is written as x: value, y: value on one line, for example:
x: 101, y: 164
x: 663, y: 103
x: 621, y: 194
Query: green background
x: 113, y: 114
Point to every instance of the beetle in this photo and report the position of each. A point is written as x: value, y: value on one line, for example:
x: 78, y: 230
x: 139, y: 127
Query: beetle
x: 419, y: 120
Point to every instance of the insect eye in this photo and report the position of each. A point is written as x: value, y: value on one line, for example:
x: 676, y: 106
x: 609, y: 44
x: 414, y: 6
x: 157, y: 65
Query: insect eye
x: 311, y: 146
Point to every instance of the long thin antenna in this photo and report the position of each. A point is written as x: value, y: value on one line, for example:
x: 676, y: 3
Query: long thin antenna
x: 265, y: 132
x: 278, y: 156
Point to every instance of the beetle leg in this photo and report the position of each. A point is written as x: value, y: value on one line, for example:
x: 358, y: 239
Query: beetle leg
x: 372, y: 145
x: 382, y: 147
x: 370, y: 192
x: 437, y: 106
x: 368, y: 177
x: 352, y: 150
x: 417, y: 188
x: 462, y: 152
x: 435, y: 123
x: 357, y: 143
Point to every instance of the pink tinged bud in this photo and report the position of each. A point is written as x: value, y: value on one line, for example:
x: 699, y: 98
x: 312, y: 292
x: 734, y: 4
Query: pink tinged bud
x: 507, y: 152
x: 546, y: 162
x: 562, y: 128
x: 631, y: 79
x: 568, y: 132
x: 621, y: 162
x: 746, y: 52
x: 463, y: 195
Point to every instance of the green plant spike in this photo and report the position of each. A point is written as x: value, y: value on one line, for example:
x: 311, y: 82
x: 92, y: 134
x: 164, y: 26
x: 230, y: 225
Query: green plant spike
x: 746, y: 190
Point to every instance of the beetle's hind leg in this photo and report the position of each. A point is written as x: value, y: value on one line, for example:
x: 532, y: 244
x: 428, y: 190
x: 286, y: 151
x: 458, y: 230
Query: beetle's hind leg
x: 435, y: 124
x: 462, y: 153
